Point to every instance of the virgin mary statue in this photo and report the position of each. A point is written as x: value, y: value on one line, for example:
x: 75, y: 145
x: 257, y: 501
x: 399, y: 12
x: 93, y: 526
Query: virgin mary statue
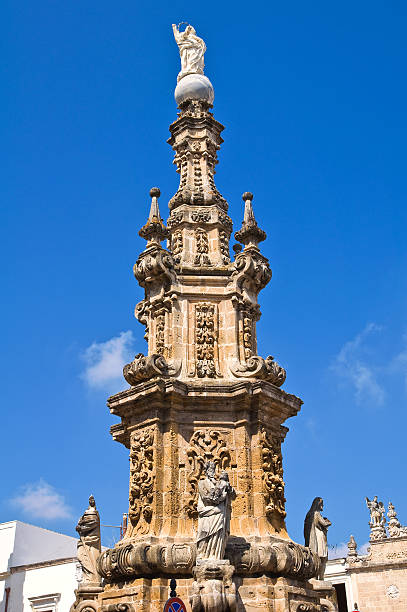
x: 191, y: 49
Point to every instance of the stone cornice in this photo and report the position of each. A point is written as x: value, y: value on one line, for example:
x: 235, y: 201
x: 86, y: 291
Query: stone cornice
x: 209, y: 388
x: 41, y: 564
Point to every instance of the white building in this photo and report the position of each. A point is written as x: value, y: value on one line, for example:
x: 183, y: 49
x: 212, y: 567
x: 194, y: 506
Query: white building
x: 336, y: 573
x: 38, y: 569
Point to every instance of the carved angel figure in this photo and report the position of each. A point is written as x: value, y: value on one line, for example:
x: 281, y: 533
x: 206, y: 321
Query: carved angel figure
x: 89, y: 545
x: 315, y: 533
x: 191, y: 49
x: 213, y: 514
x: 377, y: 512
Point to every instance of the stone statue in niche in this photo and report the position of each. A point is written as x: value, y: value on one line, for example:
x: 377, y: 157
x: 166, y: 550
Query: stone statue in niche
x: 315, y: 533
x: 214, y: 495
x: 191, y: 49
x: 89, y: 544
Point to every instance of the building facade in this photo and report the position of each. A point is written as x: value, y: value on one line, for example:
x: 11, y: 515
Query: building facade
x: 38, y: 569
x: 376, y: 582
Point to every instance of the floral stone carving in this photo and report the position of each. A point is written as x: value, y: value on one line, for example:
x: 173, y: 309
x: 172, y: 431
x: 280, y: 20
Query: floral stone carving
x: 202, y: 248
x: 273, y: 482
x: 205, y: 340
x: 141, y: 482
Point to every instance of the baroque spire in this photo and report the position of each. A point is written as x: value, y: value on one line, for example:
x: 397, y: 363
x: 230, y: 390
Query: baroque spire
x: 154, y: 231
x: 202, y: 396
x: 250, y: 234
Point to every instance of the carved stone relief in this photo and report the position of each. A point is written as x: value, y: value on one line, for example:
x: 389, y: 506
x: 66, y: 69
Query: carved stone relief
x: 206, y: 340
x: 160, y: 331
x: 226, y: 221
x: 142, y: 314
x: 247, y: 335
x: 175, y: 219
x: 205, y: 445
x: 141, y: 482
x: 202, y: 248
x: 273, y: 482
x: 177, y: 245
x: 224, y: 246
x: 201, y: 217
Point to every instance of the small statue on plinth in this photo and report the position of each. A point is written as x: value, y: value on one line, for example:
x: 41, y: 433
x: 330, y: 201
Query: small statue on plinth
x: 377, y: 519
x: 316, y: 533
x: 89, y: 544
x: 213, y: 589
x: 352, y: 549
x: 395, y: 527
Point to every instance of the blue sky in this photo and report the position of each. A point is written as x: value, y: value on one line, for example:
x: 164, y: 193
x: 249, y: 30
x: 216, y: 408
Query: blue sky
x: 313, y: 97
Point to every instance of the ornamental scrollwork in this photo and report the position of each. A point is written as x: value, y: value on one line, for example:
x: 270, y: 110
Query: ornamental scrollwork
x: 273, y: 483
x: 205, y: 445
x: 252, y: 273
x: 257, y: 367
x: 145, y: 367
x: 141, y: 482
x: 154, y: 269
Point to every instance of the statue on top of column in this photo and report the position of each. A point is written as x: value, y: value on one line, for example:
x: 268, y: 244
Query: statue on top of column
x: 191, y: 49
x: 213, y: 513
x: 89, y: 544
x: 315, y: 533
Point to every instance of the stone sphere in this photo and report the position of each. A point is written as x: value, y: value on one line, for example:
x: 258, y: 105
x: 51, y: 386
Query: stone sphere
x: 194, y: 87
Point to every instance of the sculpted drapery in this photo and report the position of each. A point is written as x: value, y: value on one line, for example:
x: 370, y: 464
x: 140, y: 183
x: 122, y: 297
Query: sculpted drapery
x: 213, y: 514
x: 315, y: 532
x: 89, y: 544
x: 191, y: 49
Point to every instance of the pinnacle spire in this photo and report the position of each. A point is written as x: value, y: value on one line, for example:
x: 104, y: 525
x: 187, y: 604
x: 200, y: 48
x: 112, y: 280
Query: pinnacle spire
x: 154, y: 231
x: 250, y: 234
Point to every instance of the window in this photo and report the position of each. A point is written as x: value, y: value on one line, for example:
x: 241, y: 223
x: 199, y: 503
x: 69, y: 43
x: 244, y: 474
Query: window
x: 45, y: 603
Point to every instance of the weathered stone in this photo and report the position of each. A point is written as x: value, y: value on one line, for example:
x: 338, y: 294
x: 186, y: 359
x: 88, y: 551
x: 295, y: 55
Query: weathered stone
x: 202, y: 395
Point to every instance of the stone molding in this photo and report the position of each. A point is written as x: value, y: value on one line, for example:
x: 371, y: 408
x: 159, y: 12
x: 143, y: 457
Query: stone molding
x: 151, y: 556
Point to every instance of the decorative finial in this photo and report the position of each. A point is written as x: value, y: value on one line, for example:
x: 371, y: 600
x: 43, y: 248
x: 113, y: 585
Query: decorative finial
x: 154, y: 231
x: 352, y: 547
x: 250, y: 234
x: 192, y: 83
x: 395, y: 527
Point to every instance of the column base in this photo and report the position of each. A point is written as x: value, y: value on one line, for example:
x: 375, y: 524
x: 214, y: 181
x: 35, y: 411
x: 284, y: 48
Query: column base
x: 214, y: 587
